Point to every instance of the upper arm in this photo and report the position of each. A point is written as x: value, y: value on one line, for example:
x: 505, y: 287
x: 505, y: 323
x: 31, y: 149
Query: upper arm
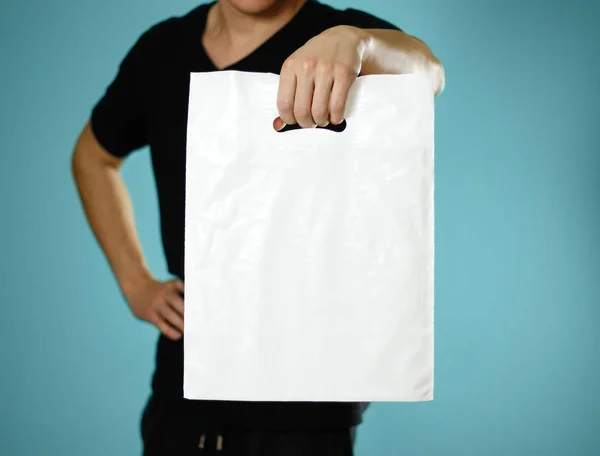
x: 89, y: 150
x: 118, y: 120
x: 360, y: 19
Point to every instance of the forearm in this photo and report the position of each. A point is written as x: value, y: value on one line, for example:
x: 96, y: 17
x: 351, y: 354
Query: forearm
x: 395, y: 52
x: 107, y: 206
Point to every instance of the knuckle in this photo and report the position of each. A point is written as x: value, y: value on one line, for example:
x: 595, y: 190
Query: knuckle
x: 301, y: 112
x: 165, y: 312
x: 289, y: 63
x: 152, y: 317
x: 337, y: 112
x: 344, y: 71
x: 160, y: 324
x: 326, y: 67
x: 162, y: 291
x: 157, y: 302
x: 320, y: 114
x: 309, y: 65
x: 285, y: 105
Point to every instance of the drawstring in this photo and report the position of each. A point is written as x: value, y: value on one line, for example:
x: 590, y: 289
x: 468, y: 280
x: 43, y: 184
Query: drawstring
x: 202, y: 443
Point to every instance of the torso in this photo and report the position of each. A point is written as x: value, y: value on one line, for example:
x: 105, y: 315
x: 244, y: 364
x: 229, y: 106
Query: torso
x: 177, y: 51
x: 168, y: 90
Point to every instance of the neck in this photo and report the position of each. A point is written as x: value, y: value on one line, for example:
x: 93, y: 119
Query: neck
x: 227, y: 22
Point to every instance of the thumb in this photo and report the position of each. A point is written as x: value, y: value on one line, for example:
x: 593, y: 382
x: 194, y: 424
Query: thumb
x: 278, y: 124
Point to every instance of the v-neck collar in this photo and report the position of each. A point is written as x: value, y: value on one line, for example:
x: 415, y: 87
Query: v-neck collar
x: 278, y: 35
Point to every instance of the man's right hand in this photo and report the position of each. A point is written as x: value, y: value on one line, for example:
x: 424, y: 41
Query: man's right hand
x: 159, y: 303
x: 108, y: 208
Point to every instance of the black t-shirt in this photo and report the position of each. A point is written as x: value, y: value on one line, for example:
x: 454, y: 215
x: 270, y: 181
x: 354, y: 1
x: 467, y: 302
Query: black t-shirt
x: 146, y: 105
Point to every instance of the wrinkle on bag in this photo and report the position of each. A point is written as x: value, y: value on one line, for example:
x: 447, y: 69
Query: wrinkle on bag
x: 309, y: 254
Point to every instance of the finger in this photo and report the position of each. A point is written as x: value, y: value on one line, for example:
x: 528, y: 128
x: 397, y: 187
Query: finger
x: 178, y: 286
x: 175, y: 301
x: 343, y: 80
x: 305, y: 87
x: 165, y: 328
x: 286, y: 94
x: 168, y: 314
x: 322, y: 94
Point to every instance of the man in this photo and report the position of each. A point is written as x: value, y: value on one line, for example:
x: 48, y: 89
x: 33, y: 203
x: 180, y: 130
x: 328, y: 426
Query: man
x: 319, y: 51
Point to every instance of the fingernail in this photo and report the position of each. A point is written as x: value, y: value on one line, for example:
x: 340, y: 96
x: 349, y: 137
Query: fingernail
x: 278, y: 124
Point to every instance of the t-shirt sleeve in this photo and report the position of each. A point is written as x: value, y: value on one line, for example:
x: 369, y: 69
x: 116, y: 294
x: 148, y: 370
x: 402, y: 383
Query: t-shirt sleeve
x: 117, y: 120
x: 360, y: 19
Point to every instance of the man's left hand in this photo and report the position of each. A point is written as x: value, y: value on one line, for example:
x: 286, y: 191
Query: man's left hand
x: 316, y: 79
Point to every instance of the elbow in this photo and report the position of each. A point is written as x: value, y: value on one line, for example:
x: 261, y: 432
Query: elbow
x: 78, y: 157
x: 438, y: 75
x: 433, y: 68
x: 427, y: 63
x: 76, y: 163
x: 81, y: 164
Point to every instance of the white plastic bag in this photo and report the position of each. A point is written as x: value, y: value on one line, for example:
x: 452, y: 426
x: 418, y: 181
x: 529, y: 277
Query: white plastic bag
x: 309, y: 253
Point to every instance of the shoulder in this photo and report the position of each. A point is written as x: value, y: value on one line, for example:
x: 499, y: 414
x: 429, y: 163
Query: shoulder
x: 167, y: 36
x: 349, y: 16
x: 362, y: 19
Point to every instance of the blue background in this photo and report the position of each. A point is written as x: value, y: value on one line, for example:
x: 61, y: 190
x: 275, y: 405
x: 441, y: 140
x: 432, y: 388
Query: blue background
x: 518, y: 255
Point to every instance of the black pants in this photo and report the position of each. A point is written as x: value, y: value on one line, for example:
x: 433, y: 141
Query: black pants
x: 167, y: 432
